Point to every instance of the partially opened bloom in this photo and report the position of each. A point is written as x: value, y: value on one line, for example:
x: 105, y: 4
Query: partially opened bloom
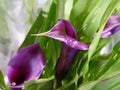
x: 25, y: 65
x: 64, y: 32
x: 112, y: 26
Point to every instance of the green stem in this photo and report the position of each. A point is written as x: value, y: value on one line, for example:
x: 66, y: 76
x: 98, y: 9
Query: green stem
x: 57, y: 84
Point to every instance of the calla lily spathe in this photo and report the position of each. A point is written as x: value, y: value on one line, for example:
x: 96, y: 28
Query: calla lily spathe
x: 64, y: 32
x: 25, y: 65
x: 112, y: 26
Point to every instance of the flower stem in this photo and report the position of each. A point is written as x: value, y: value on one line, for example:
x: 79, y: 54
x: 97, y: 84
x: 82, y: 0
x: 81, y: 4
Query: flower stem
x: 58, y: 83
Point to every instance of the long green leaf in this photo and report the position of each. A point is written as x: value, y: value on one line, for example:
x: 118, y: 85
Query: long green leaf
x: 68, y: 7
x: 41, y: 84
x: 77, y: 9
x: 92, y: 21
x: 2, y: 82
x: 111, y: 65
x: 112, y: 83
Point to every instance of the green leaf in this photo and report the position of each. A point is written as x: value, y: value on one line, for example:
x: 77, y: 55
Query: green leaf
x: 111, y: 83
x: 61, y: 8
x: 111, y: 66
x: 50, y: 45
x: 93, y: 19
x: 105, y: 66
x: 41, y: 84
x: 87, y: 86
x: 2, y: 82
x: 95, y: 41
x: 77, y: 8
x: 68, y: 8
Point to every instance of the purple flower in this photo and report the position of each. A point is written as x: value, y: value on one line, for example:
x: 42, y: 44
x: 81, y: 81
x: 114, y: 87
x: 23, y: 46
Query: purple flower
x: 112, y: 26
x: 64, y: 32
x: 25, y: 65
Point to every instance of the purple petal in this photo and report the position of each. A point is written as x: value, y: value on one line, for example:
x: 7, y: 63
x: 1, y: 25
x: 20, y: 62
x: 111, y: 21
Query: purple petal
x: 64, y: 62
x: 64, y: 32
x: 26, y: 64
x: 112, y: 26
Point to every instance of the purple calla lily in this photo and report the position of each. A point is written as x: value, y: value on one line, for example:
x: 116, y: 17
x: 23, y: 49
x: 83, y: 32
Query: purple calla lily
x: 112, y: 26
x: 64, y: 32
x: 25, y: 65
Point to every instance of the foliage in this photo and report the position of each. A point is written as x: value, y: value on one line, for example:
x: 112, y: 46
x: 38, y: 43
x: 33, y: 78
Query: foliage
x: 2, y: 82
x: 90, y: 70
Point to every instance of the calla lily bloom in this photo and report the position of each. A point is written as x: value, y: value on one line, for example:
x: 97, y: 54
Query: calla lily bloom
x: 25, y: 65
x: 64, y: 32
x: 112, y: 26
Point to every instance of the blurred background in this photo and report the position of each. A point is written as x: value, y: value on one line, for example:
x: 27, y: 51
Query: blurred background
x: 16, y: 18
